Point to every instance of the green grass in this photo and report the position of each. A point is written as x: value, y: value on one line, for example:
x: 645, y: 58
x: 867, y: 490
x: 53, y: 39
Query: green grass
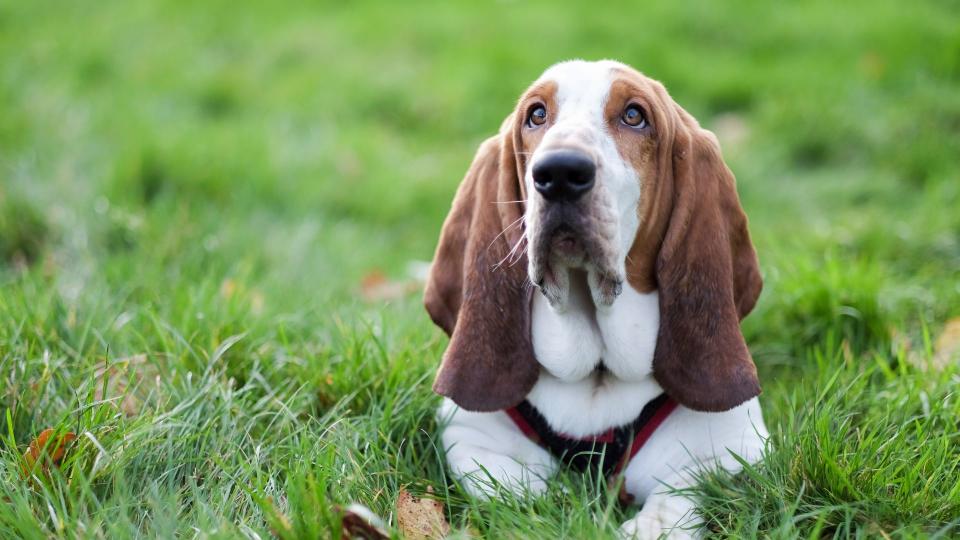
x: 192, y: 193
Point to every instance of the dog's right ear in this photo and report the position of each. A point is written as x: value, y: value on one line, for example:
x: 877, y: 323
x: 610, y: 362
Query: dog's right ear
x: 478, y: 291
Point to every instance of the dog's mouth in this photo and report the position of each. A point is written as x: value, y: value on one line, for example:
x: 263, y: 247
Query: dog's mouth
x: 564, y: 244
x: 564, y: 236
x: 567, y: 246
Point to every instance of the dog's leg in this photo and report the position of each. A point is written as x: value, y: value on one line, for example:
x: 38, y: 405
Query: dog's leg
x: 687, y: 443
x: 664, y: 515
x: 486, y: 451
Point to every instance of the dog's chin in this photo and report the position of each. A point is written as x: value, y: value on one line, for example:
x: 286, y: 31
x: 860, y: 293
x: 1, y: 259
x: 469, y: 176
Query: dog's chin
x: 554, y: 256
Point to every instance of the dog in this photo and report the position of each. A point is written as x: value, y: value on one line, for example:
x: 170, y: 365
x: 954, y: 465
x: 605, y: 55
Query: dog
x: 592, y: 275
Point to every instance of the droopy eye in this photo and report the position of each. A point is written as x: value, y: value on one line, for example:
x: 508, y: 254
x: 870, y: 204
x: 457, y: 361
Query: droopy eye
x: 633, y: 116
x: 538, y: 115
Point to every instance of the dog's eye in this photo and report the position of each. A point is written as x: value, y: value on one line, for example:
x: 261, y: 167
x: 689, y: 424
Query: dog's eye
x: 633, y: 117
x: 538, y: 115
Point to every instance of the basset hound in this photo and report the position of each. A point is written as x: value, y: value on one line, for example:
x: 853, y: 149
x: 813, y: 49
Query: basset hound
x: 592, y: 274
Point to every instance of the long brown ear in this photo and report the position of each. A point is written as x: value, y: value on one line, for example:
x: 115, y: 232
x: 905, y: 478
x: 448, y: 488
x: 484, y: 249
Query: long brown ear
x: 477, y: 291
x: 708, y: 280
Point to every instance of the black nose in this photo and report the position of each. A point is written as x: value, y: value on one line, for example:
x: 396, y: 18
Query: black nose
x: 564, y: 175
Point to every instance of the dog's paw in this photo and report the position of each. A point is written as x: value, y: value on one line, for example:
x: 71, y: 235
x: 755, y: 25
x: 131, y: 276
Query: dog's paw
x: 650, y: 527
x: 640, y: 528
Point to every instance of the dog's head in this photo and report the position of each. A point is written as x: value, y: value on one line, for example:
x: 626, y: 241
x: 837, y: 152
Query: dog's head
x: 597, y: 169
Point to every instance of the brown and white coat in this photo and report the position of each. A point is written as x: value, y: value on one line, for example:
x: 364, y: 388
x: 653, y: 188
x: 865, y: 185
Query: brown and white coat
x: 643, y: 277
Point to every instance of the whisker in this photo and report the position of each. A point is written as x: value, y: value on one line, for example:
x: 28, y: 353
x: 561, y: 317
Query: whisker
x: 515, y: 251
x: 509, y: 253
x: 522, y: 240
x: 515, y: 255
x: 508, y: 202
x: 500, y: 264
x: 520, y: 255
x: 507, y: 228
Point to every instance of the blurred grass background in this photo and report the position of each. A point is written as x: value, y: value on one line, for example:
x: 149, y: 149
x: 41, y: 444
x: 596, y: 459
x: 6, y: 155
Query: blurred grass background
x: 192, y: 195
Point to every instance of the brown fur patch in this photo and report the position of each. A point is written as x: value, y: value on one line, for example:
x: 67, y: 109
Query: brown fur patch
x: 527, y: 139
x: 639, y: 148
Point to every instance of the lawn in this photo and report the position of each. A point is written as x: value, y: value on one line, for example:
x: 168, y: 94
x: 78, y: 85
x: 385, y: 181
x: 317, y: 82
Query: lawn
x: 208, y: 211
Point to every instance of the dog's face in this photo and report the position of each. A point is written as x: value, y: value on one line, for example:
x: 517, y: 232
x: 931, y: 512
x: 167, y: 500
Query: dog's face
x: 596, y: 170
x: 590, y: 143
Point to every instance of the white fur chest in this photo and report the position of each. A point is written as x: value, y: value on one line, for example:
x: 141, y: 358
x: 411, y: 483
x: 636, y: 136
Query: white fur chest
x: 574, y: 395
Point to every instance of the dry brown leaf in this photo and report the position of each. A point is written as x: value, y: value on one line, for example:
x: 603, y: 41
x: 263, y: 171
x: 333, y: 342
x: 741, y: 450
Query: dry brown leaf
x: 947, y: 347
x: 375, y: 287
x: 421, y: 518
x: 43, y: 447
x: 373, y: 278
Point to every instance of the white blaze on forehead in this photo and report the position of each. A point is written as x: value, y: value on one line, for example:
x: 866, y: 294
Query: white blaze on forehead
x: 582, y: 92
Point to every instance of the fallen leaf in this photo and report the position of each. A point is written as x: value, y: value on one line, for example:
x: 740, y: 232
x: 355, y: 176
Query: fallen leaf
x: 43, y: 446
x: 358, y: 521
x: 375, y: 287
x: 421, y: 518
x: 947, y: 347
x: 373, y: 279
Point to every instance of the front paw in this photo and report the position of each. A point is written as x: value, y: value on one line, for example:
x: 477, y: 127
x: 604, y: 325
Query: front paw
x: 647, y: 527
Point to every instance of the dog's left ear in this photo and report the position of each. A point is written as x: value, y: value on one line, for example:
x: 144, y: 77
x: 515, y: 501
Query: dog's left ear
x: 708, y: 280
